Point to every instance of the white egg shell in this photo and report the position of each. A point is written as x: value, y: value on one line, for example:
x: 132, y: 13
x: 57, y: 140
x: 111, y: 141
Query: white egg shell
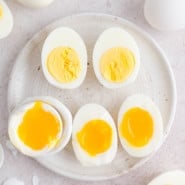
x: 176, y: 177
x: 13, y: 181
x: 6, y: 21
x: 36, y: 3
x: 147, y: 104
x: 66, y: 37
x: 86, y: 113
x: 56, y: 108
x: 165, y: 14
x: 115, y: 37
x: 1, y: 156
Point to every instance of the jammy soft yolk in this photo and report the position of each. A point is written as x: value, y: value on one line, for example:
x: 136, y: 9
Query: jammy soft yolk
x: 63, y: 64
x: 116, y: 64
x: 95, y: 137
x: 1, y: 11
x: 137, y: 127
x: 39, y: 128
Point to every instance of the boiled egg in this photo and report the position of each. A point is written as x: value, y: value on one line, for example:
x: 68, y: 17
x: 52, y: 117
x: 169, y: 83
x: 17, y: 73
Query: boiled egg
x: 140, y: 126
x: 64, y: 58
x: 6, y: 20
x: 13, y: 181
x: 116, y: 58
x: 1, y: 156
x: 176, y: 177
x: 94, y: 136
x: 36, y: 3
x: 40, y: 126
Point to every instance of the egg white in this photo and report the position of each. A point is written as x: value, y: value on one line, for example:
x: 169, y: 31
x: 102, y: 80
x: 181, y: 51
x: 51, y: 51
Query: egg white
x: 65, y: 37
x: 36, y: 3
x: 86, y: 113
x: 147, y: 104
x: 51, y: 105
x: 115, y: 37
x: 6, y: 22
x: 176, y: 177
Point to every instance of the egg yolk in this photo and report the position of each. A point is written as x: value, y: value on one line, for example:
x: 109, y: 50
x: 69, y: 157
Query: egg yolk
x: 95, y: 137
x: 39, y: 128
x: 116, y: 64
x: 137, y: 127
x: 1, y: 11
x: 63, y: 64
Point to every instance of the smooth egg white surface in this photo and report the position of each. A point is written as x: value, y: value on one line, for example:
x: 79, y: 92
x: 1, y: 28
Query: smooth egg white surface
x: 51, y: 105
x: 1, y: 156
x: 65, y: 37
x: 176, y: 177
x: 165, y: 14
x: 86, y: 113
x: 6, y: 21
x: 36, y: 3
x: 147, y: 104
x: 110, y: 38
x: 13, y: 181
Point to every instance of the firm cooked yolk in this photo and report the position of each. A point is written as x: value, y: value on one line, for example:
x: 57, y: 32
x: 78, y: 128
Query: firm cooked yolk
x: 39, y: 128
x: 95, y: 137
x: 64, y: 65
x: 137, y: 127
x: 117, y: 64
x: 1, y: 11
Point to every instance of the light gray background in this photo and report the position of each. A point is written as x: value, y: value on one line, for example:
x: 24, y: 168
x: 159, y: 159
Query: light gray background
x: 27, y: 23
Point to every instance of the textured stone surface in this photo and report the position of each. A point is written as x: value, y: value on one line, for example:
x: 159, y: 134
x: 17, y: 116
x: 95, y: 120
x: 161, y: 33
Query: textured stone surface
x: 28, y: 22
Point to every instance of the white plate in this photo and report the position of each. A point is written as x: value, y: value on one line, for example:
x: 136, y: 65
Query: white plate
x: 155, y: 79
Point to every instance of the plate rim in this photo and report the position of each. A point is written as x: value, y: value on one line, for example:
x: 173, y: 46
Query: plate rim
x: 168, y: 68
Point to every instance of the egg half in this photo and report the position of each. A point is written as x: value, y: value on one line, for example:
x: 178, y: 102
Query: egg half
x: 64, y: 58
x: 116, y: 58
x: 40, y: 126
x: 94, y: 136
x: 140, y: 126
x: 36, y: 3
x: 176, y: 177
x: 6, y: 20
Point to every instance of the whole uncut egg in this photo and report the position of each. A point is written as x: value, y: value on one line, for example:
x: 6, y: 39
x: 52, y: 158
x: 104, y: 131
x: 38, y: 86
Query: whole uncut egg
x: 94, y: 136
x: 140, y: 126
x: 64, y: 58
x: 176, y: 177
x: 165, y: 14
x: 36, y: 3
x: 6, y: 20
x: 40, y: 126
x: 116, y: 58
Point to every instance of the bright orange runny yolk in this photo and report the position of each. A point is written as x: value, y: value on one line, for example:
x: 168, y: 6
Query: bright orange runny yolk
x: 39, y: 128
x: 137, y: 127
x: 95, y: 137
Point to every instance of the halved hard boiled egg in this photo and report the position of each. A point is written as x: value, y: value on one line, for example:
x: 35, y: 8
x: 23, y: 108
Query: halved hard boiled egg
x: 176, y: 177
x: 116, y: 58
x: 36, y: 3
x: 40, y: 126
x: 140, y: 126
x: 94, y: 136
x: 64, y: 58
x: 6, y: 20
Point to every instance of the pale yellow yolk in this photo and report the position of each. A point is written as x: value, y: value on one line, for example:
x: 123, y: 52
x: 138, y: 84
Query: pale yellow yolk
x: 117, y: 64
x: 39, y: 128
x: 64, y: 64
x: 1, y: 11
x: 137, y: 127
x: 95, y: 137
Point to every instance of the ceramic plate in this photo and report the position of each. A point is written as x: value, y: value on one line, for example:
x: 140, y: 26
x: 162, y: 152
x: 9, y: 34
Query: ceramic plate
x: 155, y: 79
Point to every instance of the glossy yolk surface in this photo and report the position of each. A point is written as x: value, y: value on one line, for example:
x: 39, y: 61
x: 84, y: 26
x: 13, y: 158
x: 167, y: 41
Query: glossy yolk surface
x: 64, y: 64
x: 95, y: 137
x: 1, y: 11
x: 137, y: 127
x: 39, y: 128
x: 116, y: 64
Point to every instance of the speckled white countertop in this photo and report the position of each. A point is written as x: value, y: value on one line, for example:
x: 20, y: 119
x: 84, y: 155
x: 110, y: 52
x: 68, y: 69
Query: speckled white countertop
x: 27, y: 23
